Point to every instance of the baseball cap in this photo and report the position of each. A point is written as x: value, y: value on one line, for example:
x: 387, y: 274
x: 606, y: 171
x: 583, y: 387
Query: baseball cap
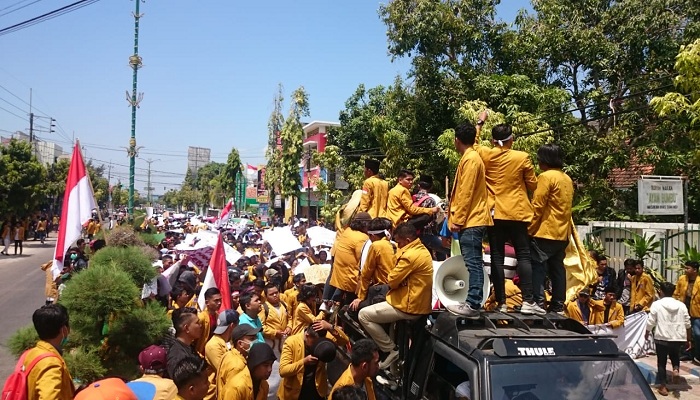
x: 260, y: 353
x: 153, y: 358
x: 106, y: 389
x: 244, y: 330
x: 226, y: 318
x: 585, y: 292
x: 271, y: 272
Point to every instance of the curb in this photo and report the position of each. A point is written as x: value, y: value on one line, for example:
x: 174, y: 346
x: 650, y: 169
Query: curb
x: 649, y: 373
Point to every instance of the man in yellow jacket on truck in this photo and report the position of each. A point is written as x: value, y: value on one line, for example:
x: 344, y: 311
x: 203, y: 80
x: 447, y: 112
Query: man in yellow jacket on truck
x: 375, y: 191
x: 410, y: 291
x: 400, y: 206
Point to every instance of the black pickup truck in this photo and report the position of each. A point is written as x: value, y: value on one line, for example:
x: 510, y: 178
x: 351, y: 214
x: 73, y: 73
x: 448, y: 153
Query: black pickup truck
x: 508, y: 357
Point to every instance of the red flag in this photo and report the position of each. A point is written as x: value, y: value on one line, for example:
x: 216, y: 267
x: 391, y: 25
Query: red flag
x: 78, y: 203
x: 217, y: 276
x: 226, y: 212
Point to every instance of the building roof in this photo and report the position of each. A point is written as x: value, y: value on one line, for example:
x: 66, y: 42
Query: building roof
x: 625, y: 178
x: 316, y: 124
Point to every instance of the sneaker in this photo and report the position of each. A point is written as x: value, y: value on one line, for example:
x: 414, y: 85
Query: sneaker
x: 463, y: 309
x: 502, y: 308
x: 390, y: 359
x: 532, y: 309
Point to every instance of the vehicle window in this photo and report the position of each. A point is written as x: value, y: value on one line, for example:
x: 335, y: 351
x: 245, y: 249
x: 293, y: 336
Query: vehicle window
x: 575, y: 380
x: 446, y: 381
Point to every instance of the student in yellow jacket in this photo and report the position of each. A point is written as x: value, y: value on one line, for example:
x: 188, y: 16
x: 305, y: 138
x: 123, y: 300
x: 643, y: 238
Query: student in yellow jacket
x: 304, y: 314
x: 299, y: 351
x: 251, y: 382
x: 375, y: 191
x: 381, y: 258
x: 551, y: 225
x: 348, y: 252
x: 208, y: 318
x: 509, y: 177
x: 608, y: 311
x: 410, y: 291
x: 275, y: 318
x: 219, y: 345
x: 688, y: 291
x: 514, y: 297
x: 233, y: 362
x: 290, y: 295
x: 642, y: 291
x: 581, y: 309
x: 400, y: 206
x: 469, y: 216
x: 364, y: 365
x: 49, y: 378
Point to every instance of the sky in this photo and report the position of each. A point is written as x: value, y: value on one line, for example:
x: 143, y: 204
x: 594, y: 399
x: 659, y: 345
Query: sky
x: 211, y: 69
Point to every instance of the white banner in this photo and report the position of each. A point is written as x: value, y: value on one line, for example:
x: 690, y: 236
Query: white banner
x: 631, y: 336
x: 659, y: 196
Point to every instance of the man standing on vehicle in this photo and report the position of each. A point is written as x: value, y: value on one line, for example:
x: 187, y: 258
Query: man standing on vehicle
x: 363, y: 368
x: 375, y: 191
x: 551, y: 225
x: 509, y: 177
x: 469, y: 217
x: 688, y: 291
x: 410, y: 291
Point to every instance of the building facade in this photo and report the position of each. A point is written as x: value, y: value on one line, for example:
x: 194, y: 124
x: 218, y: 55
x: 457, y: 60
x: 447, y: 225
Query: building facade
x: 197, y: 157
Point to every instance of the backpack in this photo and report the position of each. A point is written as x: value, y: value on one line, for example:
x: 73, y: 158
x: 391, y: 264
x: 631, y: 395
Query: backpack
x: 418, y: 202
x: 16, y: 384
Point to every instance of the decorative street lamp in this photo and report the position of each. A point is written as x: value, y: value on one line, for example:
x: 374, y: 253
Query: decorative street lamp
x: 134, y: 100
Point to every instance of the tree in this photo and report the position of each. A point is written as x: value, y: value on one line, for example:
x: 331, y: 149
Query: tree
x: 291, y: 138
x: 208, y: 182
x: 230, y: 172
x: 56, y: 182
x: 22, y: 187
x: 272, y: 151
x: 331, y: 161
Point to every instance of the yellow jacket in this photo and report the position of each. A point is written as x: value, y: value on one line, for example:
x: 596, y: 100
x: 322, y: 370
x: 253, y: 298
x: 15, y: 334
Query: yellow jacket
x: 347, y: 380
x: 400, y: 206
x: 381, y: 258
x: 207, y: 329
x: 375, y: 193
x: 292, y: 366
x: 51, y: 290
x: 514, y: 297
x: 346, y: 264
x: 642, y: 291
x: 411, y: 281
x: 18, y: 233
x: 243, y: 389
x: 231, y: 364
x: 680, y: 293
x: 552, y: 203
x: 215, y: 350
x: 469, y: 198
x: 509, y: 176
x: 93, y: 228
x: 303, y: 317
x: 616, y: 315
x: 275, y: 320
x: 49, y: 379
x: 290, y: 297
x: 574, y: 312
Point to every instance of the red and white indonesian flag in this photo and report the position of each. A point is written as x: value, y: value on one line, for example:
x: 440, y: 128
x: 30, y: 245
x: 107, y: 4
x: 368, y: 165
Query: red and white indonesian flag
x: 78, y: 203
x: 251, y: 172
x: 226, y: 213
x: 217, y: 276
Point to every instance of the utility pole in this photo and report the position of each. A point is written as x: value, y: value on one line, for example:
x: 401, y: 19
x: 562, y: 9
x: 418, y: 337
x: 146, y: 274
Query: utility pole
x: 149, y: 188
x: 136, y: 62
x: 308, y: 183
x: 109, y: 188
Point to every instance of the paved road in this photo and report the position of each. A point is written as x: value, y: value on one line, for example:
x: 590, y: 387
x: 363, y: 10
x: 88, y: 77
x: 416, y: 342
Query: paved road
x: 21, y: 292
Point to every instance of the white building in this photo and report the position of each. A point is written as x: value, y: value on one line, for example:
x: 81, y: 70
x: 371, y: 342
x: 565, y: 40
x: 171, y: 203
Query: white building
x: 47, y: 152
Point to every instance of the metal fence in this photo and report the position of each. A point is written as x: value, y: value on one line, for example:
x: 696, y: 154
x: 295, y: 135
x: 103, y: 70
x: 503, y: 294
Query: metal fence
x: 672, y: 242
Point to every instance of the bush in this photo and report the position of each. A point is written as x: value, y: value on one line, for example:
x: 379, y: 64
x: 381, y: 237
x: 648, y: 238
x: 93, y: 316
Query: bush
x: 149, y: 238
x: 84, y: 365
x: 132, y: 260
x: 151, y: 253
x: 24, y: 339
x: 131, y: 333
x: 123, y: 236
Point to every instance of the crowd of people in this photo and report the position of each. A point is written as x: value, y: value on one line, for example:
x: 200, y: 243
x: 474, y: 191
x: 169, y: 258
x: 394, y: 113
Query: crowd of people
x: 281, y: 332
x: 18, y: 230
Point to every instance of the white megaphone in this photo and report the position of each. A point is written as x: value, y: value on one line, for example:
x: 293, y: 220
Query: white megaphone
x: 451, y: 282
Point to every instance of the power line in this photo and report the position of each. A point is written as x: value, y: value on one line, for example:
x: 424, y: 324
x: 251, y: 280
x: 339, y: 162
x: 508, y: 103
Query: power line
x: 10, y: 112
x: 13, y: 105
x: 18, y: 8
x: 47, y: 16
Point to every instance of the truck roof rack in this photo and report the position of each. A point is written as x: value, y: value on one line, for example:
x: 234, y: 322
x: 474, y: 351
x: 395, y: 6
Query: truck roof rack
x: 479, y: 334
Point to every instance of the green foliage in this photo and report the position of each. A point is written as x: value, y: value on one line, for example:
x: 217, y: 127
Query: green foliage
x: 149, y: 239
x: 273, y: 174
x: 593, y: 243
x: 291, y: 138
x: 23, y: 178
x: 131, y: 260
x: 23, y: 339
x: 123, y: 236
x: 132, y: 332
x: 331, y: 161
x: 642, y: 247
x: 689, y: 253
x: 230, y: 171
x: 85, y: 365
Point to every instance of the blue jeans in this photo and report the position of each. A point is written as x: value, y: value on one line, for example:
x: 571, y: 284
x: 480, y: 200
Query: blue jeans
x: 471, y: 243
x: 695, y: 328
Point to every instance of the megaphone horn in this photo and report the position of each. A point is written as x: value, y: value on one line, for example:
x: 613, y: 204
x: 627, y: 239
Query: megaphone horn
x: 451, y: 282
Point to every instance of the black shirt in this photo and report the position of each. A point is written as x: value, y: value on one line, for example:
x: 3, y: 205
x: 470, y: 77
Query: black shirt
x: 177, y: 352
x: 308, y: 385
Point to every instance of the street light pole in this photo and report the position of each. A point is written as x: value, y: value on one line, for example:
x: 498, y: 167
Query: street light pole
x: 149, y: 188
x: 136, y: 62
